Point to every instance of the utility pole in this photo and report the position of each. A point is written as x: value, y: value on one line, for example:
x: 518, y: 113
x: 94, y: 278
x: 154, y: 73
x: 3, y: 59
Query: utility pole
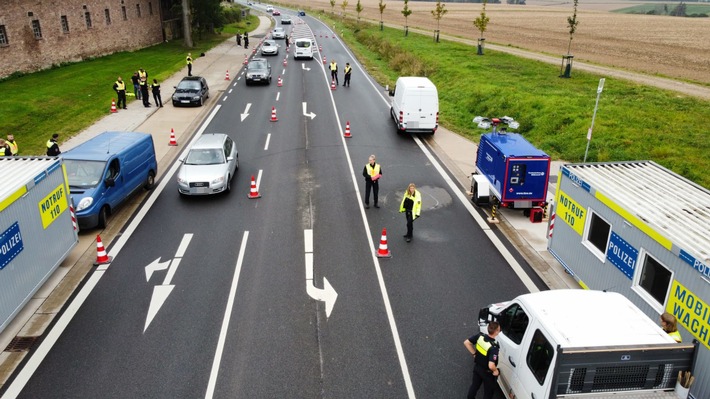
x: 589, y: 132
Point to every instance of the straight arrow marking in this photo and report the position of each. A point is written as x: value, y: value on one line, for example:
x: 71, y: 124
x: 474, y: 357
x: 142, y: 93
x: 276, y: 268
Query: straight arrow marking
x: 183, y: 245
x: 246, y: 111
x: 160, y: 294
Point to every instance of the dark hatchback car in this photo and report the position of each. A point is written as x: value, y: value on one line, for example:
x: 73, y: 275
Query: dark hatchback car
x: 258, y: 71
x: 191, y: 90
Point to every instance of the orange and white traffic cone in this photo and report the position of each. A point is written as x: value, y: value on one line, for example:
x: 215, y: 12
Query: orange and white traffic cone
x: 285, y: 63
x: 332, y: 85
x: 320, y: 48
x: 246, y: 59
x: 273, y: 115
x: 347, y: 130
x: 383, y: 251
x: 101, y: 257
x: 113, y: 106
x: 279, y: 82
x: 173, y: 141
x: 253, y: 192
x: 226, y: 76
x: 324, y: 60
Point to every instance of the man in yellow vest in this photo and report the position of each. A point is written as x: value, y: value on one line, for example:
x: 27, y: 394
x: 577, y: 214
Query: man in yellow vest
x: 53, y: 146
x: 189, y: 64
x: 14, y: 149
x: 484, y: 349
x: 4, y: 149
x: 348, y: 71
x: 412, y: 208
x: 120, y: 87
x: 372, y: 173
x: 334, y: 71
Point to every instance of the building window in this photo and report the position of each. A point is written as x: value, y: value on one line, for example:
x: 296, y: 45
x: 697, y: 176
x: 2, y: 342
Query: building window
x: 598, y: 235
x: 655, y: 279
x: 123, y: 11
x: 65, y: 24
x: 107, y: 14
x: 3, y: 36
x: 36, y: 29
x: 138, y: 10
x: 150, y: 8
x: 87, y: 17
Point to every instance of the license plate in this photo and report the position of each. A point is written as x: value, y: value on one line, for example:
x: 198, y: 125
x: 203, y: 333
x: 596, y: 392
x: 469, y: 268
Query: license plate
x: 185, y: 101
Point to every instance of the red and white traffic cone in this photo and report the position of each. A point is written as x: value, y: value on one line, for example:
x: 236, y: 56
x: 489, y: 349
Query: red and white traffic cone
x: 246, y: 59
x: 320, y: 48
x: 273, y: 115
x: 113, y: 106
x: 253, y: 192
x: 383, y: 251
x: 173, y: 141
x: 324, y: 60
x: 279, y: 82
x: 226, y: 76
x: 285, y: 63
x: 332, y: 85
x: 101, y: 257
x: 347, y: 130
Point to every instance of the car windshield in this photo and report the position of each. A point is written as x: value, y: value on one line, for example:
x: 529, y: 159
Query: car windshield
x: 189, y: 85
x: 84, y: 174
x: 304, y: 43
x: 205, y: 156
x: 257, y: 65
x: 269, y: 43
x: 278, y: 30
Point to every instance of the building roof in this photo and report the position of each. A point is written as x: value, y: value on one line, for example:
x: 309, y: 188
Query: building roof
x: 584, y: 318
x: 674, y: 210
x: 20, y: 172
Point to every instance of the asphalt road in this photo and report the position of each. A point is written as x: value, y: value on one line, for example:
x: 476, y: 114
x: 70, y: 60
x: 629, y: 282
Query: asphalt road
x: 238, y: 320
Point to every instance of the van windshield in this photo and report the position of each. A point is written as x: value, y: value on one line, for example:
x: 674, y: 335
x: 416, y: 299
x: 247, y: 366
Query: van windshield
x: 84, y: 174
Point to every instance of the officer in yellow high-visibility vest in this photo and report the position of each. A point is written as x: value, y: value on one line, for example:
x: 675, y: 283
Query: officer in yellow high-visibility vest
x: 188, y: 60
x: 120, y: 87
x: 53, y: 146
x: 334, y: 71
x: 412, y: 208
x: 348, y: 71
x: 372, y: 172
x: 4, y: 149
x: 485, y: 350
x: 14, y: 149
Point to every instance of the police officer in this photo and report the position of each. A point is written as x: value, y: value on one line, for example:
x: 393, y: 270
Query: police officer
x: 239, y: 39
x: 155, y: 87
x: 372, y: 172
x: 334, y: 71
x: 348, y: 70
x: 4, y: 149
x: 53, y: 146
x: 484, y: 349
x: 14, y: 149
x: 188, y: 60
x: 412, y: 208
x: 246, y: 40
x: 120, y: 87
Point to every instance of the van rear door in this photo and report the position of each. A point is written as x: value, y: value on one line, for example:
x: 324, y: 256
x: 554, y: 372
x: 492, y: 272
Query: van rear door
x: 428, y: 107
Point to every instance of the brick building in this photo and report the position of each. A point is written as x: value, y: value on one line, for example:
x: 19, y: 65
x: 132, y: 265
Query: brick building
x: 38, y: 34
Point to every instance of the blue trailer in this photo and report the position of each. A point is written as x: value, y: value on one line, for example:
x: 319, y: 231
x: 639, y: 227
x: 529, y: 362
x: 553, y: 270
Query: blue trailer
x: 510, y: 169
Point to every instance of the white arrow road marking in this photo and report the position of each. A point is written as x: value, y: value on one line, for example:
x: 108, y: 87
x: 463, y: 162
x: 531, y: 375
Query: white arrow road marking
x: 327, y: 294
x: 310, y: 114
x: 161, y: 292
x: 246, y: 112
x: 303, y: 66
x: 155, y: 266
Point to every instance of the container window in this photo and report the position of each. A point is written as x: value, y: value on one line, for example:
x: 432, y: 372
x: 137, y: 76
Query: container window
x: 655, y: 279
x: 597, y: 235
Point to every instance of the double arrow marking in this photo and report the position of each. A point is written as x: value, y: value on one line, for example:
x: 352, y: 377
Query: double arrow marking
x: 327, y: 294
x: 161, y: 292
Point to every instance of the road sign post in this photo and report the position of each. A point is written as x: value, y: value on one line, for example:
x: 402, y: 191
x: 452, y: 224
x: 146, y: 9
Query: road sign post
x: 589, y: 132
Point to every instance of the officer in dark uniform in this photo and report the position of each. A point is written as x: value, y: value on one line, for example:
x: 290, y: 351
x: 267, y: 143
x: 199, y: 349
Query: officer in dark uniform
x: 120, y: 87
x: 53, y: 146
x: 144, y: 92
x: 348, y: 71
x: 485, y: 349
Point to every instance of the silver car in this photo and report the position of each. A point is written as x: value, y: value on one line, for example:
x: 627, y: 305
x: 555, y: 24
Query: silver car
x: 278, y: 33
x: 209, y: 166
x: 269, y: 48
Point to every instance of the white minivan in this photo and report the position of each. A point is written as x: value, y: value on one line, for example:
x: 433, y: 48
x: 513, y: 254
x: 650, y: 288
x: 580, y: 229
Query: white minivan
x: 415, y: 105
x: 304, y: 48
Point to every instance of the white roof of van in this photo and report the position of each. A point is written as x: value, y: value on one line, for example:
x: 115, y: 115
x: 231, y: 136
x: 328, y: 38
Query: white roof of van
x: 584, y: 318
x: 19, y: 171
x: 416, y: 81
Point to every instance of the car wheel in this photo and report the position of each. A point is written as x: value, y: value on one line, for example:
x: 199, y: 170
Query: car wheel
x: 237, y: 167
x: 150, y: 181
x: 199, y: 102
x: 175, y: 104
x: 229, y: 184
x: 103, y: 217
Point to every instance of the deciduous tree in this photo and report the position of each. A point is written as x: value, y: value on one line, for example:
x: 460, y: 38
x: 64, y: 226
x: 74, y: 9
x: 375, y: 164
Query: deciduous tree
x: 406, y: 12
x: 438, y: 12
x: 382, y: 6
x: 572, y: 23
x: 358, y: 9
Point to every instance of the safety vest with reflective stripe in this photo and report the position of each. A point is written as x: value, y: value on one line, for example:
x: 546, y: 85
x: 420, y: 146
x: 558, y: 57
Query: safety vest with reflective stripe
x: 120, y: 85
x: 13, y: 147
x: 373, y: 171
x: 416, y: 198
x: 188, y: 60
x: 348, y: 69
x: 333, y: 66
x: 482, y: 348
x: 676, y: 336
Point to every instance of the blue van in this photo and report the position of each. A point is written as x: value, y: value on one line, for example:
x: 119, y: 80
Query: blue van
x: 104, y: 171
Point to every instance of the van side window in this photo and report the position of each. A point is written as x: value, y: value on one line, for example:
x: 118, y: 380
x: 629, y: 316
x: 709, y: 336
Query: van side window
x: 514, y: 322
x: 113, y: 169
x: 540, y: 356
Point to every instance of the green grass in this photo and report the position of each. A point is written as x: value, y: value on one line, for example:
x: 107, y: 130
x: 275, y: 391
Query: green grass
x: 691, y: 8
x: 70, y: 98
x: 633, y: 122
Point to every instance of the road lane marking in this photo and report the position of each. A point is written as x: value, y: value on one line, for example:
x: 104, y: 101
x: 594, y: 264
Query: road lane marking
x: 230, y: 91
x: 278, y: 94
x: 225, y: 322
x: 268, y: 138
x: 225, y: 98
x: 258, y: 179
x: 53, y: 335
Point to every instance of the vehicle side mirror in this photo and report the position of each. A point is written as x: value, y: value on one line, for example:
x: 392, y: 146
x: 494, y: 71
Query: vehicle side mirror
x: 109, y: 182
x: 391, y: 93
x: 483, y: 315
x: 230, y: 159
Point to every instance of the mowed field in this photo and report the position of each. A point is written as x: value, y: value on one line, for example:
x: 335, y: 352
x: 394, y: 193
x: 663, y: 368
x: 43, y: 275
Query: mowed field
x: 668, y: 46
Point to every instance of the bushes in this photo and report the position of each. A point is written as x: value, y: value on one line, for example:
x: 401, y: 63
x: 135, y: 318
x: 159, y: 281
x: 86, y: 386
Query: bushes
x: 398, y: 59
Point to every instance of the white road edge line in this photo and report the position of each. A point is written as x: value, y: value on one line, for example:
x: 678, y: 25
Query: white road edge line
x: 53, y: 335
x: 378, y: 270
x: 268, y: 138
x: 225, y: 322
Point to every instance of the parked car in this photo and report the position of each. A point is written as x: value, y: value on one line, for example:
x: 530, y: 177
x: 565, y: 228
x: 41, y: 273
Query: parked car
x: 285, y: 20
x: 275, y: 12
x: 269, y: 48
x: 191, y: 90
x: 209, y: 166
x: 258, y: 71
x: 278, y: 33
x: 301, y: 13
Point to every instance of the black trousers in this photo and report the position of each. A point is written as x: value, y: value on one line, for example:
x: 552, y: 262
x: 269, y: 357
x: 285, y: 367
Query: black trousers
x: 410, y: 222
x: 121, y: 99
x: 158, y: 99
x: 346, y: 81
x: 485, y: 377
x: 334, y: 76
x: 375, y: 187
x: 145, y: 96
x: 189, y: 69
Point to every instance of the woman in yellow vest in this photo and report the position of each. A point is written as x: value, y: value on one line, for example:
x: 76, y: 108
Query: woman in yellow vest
x: 412, y: 207
x: 670, y: 326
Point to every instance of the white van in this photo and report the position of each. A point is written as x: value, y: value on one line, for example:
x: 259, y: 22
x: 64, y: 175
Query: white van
x: 304, y: 48
x: 415, y: 105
